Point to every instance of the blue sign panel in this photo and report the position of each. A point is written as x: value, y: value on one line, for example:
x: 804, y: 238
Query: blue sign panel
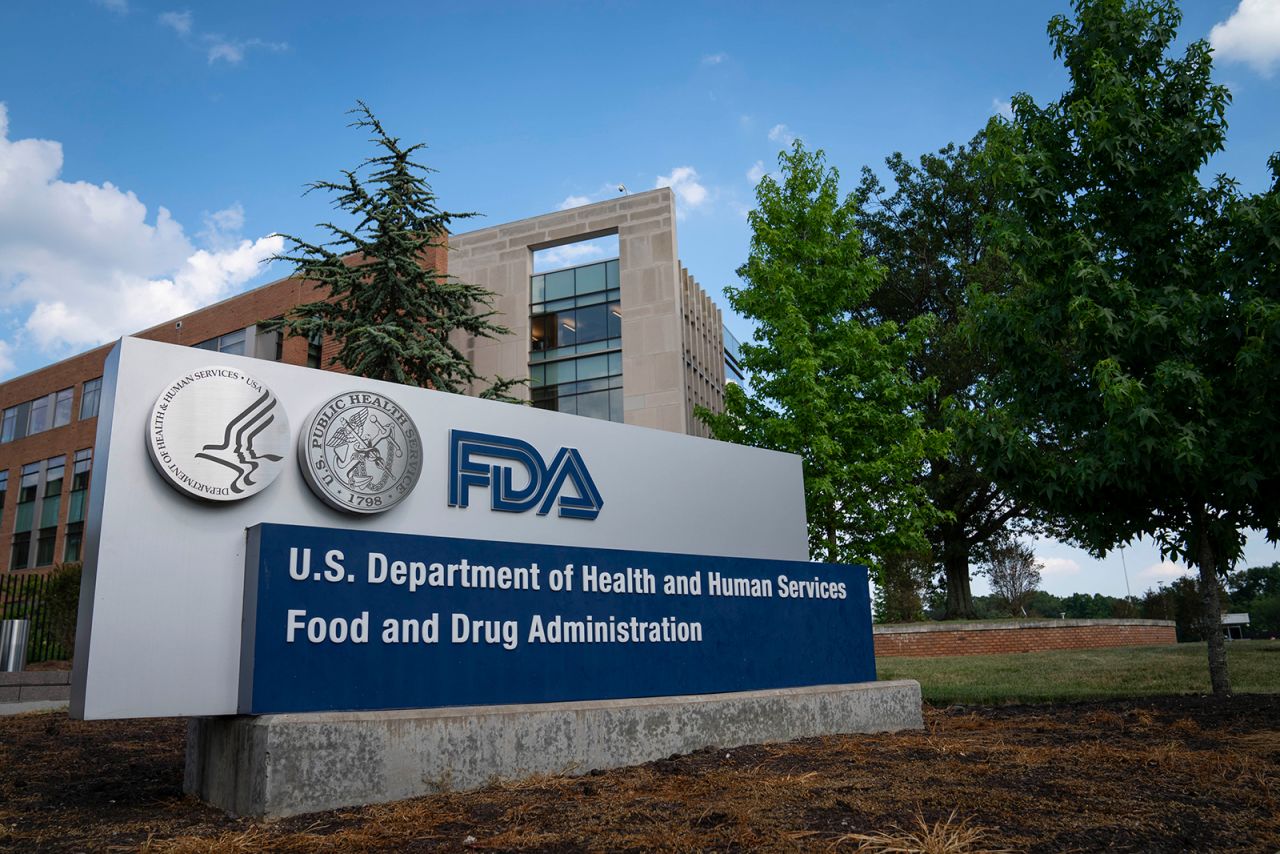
x: 361, y: 620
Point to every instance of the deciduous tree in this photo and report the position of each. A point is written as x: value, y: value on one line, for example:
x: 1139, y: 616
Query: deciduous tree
x: 928, y: 236
x: 1014, y: 574
x: 1137, y: 351
x: 825, y: 384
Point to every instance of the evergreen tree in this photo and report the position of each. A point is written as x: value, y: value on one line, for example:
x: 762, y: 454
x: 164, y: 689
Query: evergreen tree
x: 395, y: 317
x: 825, y: 385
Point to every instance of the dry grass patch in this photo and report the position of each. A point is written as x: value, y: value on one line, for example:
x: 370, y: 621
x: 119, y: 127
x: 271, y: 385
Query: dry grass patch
x: 1172, y: 774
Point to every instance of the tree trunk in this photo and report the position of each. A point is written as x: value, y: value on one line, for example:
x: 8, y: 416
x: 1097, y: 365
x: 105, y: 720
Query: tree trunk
x: 955, y: 563
x: 1207, y: 560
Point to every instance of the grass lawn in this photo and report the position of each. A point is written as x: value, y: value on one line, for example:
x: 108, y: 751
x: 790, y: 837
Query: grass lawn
x: 1135, y: 671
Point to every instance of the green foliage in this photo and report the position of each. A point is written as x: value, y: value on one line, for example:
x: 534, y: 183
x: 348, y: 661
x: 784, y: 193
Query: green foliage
x: 1256, y: 582
x: 396, y: 318
x: 825, y: 384
x: 61, y: 603
x: 1256, y: 591
x: 1180, y: 601
x: 1264, y: 617
x: 927, y: 235
x: 1137, y: 350
x: 900, y: 582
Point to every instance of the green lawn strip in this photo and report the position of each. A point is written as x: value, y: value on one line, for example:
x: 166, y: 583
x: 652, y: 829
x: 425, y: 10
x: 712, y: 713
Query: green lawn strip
x: 1085, y: 674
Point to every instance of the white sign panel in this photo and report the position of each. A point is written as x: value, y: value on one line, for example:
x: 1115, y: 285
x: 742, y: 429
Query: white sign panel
x: 173, y: 493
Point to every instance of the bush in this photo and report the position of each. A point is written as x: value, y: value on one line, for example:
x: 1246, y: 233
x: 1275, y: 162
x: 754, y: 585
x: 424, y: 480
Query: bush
x: 61, y: 602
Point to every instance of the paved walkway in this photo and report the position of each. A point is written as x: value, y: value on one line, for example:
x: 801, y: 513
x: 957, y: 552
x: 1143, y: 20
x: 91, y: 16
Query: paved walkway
x: 32, y: 706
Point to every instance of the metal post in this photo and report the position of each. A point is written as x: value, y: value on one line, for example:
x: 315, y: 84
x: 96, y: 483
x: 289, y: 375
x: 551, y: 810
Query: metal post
x: 13, y: 645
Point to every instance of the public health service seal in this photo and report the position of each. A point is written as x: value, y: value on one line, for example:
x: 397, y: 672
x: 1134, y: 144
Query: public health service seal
x: 219, y: 434
x: 360, y: 452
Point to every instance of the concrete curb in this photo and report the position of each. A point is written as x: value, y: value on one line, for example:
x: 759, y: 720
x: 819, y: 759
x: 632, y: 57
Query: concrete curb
x: 282, y: 765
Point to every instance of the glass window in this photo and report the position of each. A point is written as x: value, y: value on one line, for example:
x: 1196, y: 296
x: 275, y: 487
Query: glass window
x: 315, y: 348
x: 615, y: 320
x: 30, y: 482
x: 594, y: 405
x: 538, y: 290
x: 538, y: 333
x: 20, y: 554
x: 593, y: 366
x: 559, y: 284
x: 4, y: 486
x: 80, y: 469
x: 561, y: 372
x: 232, y: 343
x: 49, y: 504
x: 39, y: 418
x: 10, y: 422
x: 566, y: 326
x: 73, y: 543
x: 591, y: 324
x: 23, y: 411
x: 575, y: 366
x: 44, y: 546
x: 62, y: 407
x: 589, y: 279
x: 89, y: 398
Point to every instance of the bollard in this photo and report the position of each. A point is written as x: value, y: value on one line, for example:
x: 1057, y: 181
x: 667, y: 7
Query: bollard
x: 13, y: 645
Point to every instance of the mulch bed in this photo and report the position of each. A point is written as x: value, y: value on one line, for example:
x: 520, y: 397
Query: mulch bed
x: 1158, y: 774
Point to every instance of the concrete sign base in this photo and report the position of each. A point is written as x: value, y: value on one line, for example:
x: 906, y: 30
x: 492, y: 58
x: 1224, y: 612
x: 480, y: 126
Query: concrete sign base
x: 281, y: 765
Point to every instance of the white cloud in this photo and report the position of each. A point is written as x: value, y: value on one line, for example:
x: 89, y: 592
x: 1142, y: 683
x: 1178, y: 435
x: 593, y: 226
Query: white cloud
x: 1058, y: 566
x: 81, y: 264
x: 572, y: 201
x: 569, y: 255
x: 216, y: 46
x: 756, y: 172
x: 1002, y: 108
x: 714, y: 59
x: 179, y: 22
x: 781, y: 133
x: 683, y: 181
x: 1251, y: 34
x: 120, y: 7
x: 1164, y: 571
x: 232, y: 51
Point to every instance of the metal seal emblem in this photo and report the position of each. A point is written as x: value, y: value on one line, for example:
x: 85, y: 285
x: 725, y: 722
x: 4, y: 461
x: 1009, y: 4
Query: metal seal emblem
x: 360, y: 452
x: 218, y: 434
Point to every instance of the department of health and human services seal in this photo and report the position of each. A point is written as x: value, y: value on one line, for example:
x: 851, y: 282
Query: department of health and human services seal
x: 360, y: 452
x: 219, y: 434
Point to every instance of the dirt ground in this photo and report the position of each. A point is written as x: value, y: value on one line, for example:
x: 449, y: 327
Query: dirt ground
x: 1163, y: 774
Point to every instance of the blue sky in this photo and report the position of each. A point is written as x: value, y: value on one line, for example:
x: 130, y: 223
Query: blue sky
x: 150, y: 149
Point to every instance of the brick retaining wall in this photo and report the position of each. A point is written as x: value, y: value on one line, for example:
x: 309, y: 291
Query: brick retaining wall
x: 1002, y: 636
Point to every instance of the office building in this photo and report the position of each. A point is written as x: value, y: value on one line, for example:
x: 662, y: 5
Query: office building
x: 631, y: 338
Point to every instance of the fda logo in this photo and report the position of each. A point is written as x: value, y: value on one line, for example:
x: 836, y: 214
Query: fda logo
x: 545, y: 482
